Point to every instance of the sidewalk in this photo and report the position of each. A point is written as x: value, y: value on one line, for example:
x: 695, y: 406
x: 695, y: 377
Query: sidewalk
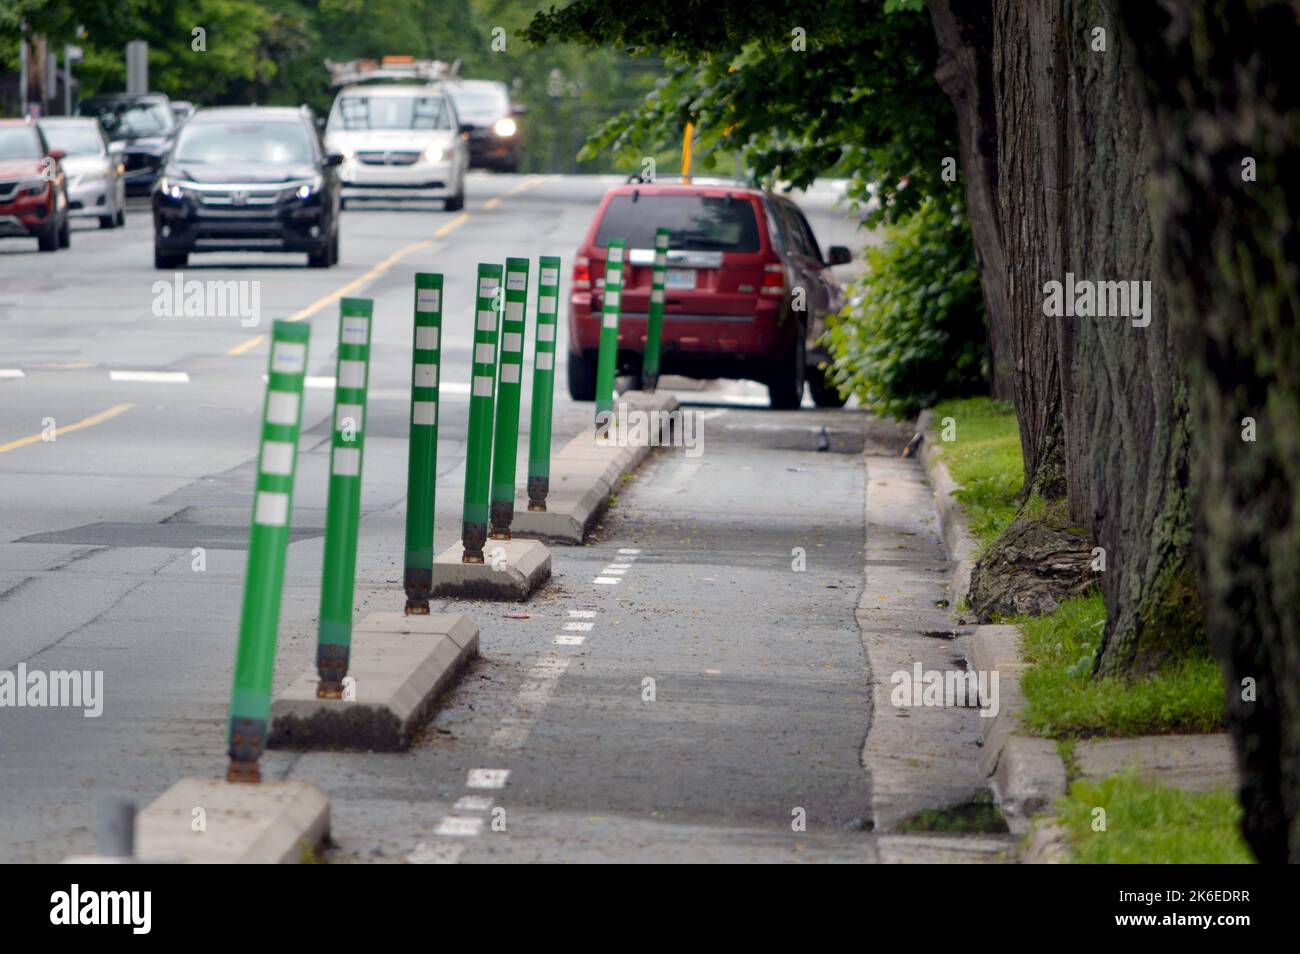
x: 918, y: 758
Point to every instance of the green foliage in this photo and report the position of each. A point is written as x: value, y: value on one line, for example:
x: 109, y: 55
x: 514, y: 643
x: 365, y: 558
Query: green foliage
x: 913, y: 330
x: 796, y: 89
x: 1063, y: 699
x: 984, y: 458
x: 1148, y: 824
x: 272, y: 52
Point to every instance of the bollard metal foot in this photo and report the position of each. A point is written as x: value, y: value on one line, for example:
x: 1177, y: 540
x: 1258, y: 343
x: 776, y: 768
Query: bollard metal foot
x: 537, y: 490
x: 503, y: 514
x: 417, y: 607
x: 329, y: 690
x: 473, y: 536
x: 249, y: 772
x: 332, y: 664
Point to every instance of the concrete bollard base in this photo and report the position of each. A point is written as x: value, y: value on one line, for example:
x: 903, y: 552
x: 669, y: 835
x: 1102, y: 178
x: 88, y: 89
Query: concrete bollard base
x: 212, y: 821
x: 511, y: 570
x: 399, y: 667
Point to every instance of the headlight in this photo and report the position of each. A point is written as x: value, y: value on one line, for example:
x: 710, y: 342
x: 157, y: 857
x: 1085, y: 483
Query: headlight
x: 433, y: 154
x: 308, y: 189
x: 505, y: 127
x: 169, y: 188
x: 31, y: 186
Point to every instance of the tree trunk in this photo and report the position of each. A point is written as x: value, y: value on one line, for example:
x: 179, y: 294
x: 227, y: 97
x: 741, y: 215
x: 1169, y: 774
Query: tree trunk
x: 1231, y: 250
x: 964, y: 72
x: 1102, y: 408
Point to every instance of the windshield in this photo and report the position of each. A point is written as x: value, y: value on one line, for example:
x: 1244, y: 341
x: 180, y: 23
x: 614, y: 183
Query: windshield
x: 19, y: 142
x: 480, y: 100
x: 244, y: 143
x: 75, y: 140
x: 697, y: 223
x: 131, y: 120
x: 357, y: 111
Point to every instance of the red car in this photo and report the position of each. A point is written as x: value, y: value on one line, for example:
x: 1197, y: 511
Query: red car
x: 746, y: 293
x: 33, y: 189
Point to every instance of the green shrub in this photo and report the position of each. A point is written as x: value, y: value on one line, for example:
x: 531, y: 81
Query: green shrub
x: 913, y: 330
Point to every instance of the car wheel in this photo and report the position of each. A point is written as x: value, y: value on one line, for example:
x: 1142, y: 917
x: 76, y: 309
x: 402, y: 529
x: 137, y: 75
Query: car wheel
x: 824, y: 393
x: 48, y: 241
x: 785, y: 380
x: 65, y: 234
x: 107, y: 221
x: 582, y: 376
x: 322, y: 258
x: 163, y: 260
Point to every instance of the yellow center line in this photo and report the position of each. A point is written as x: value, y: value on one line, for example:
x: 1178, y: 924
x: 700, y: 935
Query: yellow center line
x: 356, y: 283
x: 524, y: 186
x: 91, y: 421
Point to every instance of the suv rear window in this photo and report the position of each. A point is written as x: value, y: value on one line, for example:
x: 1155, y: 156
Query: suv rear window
x: 698, y: 223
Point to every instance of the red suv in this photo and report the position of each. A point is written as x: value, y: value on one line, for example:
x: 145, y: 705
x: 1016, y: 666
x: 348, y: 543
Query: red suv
x: 33, y: 190
x: 746, y: 294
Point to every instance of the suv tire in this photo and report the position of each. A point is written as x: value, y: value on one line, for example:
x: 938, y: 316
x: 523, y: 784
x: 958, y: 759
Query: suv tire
x: 786, y: 378
x: 582, y: 376
x: 164, y: 261
x: 48, y: 241
x: 824, y: 393
x: 457, y: 201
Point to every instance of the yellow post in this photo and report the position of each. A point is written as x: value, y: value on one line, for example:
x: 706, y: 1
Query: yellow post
x: 688, y: 138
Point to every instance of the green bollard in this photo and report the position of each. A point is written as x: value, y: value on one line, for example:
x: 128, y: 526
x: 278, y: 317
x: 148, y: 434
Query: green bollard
x: 505, y: 452
x: 655, y: 322
x: 422, y: 460
x: 478, y: 449
x: 343, y: 510
x: 607, y: 363
x: 250, y: 698
x: 539, y: 433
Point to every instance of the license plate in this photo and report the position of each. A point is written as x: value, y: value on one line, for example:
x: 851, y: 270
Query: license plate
x: 680, y: 278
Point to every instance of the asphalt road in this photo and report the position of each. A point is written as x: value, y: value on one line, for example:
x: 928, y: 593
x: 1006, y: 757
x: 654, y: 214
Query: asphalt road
x: 761, y: 700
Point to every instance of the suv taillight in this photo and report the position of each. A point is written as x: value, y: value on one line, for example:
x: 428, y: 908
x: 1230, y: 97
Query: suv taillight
x: 581, y: 272
x: 773, y: 280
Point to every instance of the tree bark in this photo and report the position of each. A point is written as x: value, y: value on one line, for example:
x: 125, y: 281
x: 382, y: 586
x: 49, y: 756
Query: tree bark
x: 1220, y: 87
x: 1101, y: 405
x: 964, y: 33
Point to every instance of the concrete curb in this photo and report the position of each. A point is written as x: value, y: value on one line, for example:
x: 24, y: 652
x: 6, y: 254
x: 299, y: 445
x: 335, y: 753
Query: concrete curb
x: 269, y: 823
x: 400, y: 664
x: 1025, y: 772
x: 583, y: 475
x: 953, y: 525
x: 525, y: 566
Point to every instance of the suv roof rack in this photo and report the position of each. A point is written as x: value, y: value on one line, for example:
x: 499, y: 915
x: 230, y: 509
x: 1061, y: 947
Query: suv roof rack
x: 390, y: 69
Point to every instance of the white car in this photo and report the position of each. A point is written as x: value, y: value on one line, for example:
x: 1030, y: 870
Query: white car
x: 93, y: 167
x: 398, y: 141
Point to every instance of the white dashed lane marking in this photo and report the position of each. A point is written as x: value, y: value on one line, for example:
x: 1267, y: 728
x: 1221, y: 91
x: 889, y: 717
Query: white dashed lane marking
x: 487, y: 778
x: 444, y: 854
x: 460, y: 826
x: 150, y: 377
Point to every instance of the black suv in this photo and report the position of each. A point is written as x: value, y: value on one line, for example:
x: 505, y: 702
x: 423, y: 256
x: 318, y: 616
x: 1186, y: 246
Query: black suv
x: 244, y: 178
x: 491, y: 121
x: 145, y: 126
